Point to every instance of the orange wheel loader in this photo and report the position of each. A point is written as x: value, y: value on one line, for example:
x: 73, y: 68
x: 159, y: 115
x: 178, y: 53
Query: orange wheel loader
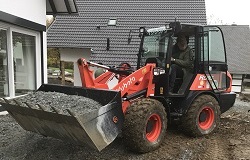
x: 140, y: 105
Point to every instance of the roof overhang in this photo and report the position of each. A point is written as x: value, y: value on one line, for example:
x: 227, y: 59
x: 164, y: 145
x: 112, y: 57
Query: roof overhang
x: 56, y: 7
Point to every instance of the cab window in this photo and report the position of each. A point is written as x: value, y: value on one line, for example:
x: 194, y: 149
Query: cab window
x: 213, y: 45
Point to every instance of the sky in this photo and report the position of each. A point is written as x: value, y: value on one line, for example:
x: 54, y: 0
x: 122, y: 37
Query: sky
x: 228, y: 12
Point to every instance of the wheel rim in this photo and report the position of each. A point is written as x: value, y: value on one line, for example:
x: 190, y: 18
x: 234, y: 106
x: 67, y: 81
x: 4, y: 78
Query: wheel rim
x: 153, y: 128
x: 206, y: 118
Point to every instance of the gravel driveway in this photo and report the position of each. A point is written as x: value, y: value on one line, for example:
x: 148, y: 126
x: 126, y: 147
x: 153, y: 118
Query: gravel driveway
x: 232, y: 141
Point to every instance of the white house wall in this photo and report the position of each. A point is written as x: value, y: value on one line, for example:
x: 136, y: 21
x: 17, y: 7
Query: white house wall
x: 32, y: 10
x: 237, y: 83
x: 72, y: 55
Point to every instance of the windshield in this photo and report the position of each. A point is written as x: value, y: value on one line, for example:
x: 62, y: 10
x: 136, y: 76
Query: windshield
x: 155, y: 45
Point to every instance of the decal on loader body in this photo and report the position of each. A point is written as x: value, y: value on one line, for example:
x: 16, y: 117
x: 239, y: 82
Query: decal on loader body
x: 126, y: 84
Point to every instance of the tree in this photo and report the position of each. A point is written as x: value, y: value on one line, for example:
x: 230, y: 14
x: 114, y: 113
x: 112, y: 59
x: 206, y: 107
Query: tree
x: 53, y: 57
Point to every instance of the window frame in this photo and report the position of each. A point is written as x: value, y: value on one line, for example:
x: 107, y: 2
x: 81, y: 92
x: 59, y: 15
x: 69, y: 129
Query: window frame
x: 208, y: 51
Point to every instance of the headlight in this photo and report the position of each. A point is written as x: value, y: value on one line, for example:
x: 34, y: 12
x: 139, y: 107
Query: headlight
x: 158, y: 71
x: 167, y: 26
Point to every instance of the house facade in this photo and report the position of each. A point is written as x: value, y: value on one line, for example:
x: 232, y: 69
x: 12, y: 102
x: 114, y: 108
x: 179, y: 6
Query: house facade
x: 23, y: 46
x: 237, y: 43
x: 100, y: 32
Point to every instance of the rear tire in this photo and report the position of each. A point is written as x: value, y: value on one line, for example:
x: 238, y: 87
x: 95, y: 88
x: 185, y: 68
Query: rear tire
x: 203, y: 116
x: 145, y: 125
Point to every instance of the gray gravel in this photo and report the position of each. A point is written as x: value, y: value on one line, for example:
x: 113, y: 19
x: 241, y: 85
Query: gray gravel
x: 240, y: 110
x: 232, y: 141
x: 61, y: 101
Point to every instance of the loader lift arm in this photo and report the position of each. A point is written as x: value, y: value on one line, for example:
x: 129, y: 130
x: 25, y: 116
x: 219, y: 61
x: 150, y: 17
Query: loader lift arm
x: 139, y: 82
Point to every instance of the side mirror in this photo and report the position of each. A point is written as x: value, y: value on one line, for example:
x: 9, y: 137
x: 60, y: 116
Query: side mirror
x: 142, y: 31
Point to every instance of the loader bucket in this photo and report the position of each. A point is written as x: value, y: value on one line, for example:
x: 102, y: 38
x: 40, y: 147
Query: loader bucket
x: 97, y: 128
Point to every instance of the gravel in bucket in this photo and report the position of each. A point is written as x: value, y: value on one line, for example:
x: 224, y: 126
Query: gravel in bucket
x: 60, y: 101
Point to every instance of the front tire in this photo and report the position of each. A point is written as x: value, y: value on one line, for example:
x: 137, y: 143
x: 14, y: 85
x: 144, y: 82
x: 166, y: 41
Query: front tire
x: 145, y: 125
x: 203, y: 116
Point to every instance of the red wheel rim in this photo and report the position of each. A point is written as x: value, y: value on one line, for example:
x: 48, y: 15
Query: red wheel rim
x: 206, y: 118
x: 153, y: 128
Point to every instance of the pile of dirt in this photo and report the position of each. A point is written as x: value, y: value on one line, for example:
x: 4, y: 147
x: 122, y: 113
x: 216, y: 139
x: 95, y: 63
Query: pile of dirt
x: 231, y: 141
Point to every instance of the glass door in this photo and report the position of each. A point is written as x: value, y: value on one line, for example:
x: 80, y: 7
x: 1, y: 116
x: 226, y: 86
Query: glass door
x: 20, y: 60
x: 24, y: 58
x: 214, y: 58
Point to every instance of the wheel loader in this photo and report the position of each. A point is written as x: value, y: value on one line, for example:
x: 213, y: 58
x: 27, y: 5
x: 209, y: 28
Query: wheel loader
x: 140, y: 106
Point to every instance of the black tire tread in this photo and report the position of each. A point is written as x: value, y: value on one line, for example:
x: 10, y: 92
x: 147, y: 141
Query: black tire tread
x: 134, y: 124
x: 189, y: 124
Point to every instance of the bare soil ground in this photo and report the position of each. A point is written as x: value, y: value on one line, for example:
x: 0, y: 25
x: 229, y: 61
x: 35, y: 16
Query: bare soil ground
x: 231, y: 141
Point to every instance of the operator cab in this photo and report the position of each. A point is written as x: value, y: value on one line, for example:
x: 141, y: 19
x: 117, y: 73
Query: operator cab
x: 159, y: 45
x: 208, y: 57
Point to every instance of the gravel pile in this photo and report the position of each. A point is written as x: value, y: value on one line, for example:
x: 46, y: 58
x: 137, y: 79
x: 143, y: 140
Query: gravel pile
x: 231, y: 141
x: 240, y: 106
x: 60, y: 101
x: 240, y: 110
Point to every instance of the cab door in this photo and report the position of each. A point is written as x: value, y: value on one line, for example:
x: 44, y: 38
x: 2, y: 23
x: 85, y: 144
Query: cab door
x: 213, y: 59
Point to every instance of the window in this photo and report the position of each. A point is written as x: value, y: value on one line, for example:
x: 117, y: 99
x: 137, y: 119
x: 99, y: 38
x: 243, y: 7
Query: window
x: 112, y: 22
x: 213, y: 45
x: 24, y: 51
x: 20, y: 60
x: 151, y: 46
x: 4, y: 89
x: 155, y: 45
